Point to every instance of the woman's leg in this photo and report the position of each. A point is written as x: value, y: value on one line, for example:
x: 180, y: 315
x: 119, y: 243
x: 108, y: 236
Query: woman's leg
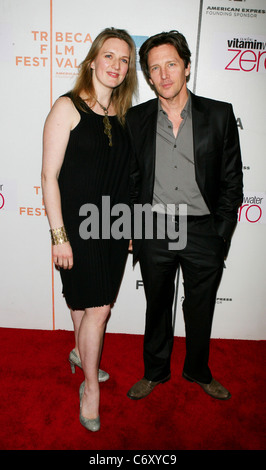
x: 90, y: 341
x: 76, y: 316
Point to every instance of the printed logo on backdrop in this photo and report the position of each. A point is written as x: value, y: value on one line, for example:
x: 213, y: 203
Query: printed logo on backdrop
x: 253, y: 208
x: 36, y: 207
x: 246, y: 54
x: 234, y: 8
x: 68, y: 50
x: 66, y: 61
x: 8, y: 196
x: 239, y: 53
x: 2, y: 198
x: 219, y: 300
x: 38, y: 55
x: 10, y: 202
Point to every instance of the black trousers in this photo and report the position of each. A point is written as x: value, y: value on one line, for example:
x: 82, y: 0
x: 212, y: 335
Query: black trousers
x: 201, y: 263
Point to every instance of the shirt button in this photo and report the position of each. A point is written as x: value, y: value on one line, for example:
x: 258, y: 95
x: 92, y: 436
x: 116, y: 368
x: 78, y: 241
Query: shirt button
x: 176, y: 188
x: 174, y: 146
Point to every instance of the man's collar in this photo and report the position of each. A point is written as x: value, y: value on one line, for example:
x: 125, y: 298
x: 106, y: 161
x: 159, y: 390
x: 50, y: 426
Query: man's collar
x: 185, y: 111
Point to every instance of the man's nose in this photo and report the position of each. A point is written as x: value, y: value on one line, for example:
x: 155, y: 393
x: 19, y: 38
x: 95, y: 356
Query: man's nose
x: 164, y: 72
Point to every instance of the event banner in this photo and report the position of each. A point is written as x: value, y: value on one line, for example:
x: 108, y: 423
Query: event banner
x: 42, y: 45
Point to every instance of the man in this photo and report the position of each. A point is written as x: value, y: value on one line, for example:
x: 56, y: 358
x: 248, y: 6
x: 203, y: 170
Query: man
x: 186, y: 151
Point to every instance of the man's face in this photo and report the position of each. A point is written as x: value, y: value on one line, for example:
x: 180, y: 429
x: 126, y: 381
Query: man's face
x: 167, y: 71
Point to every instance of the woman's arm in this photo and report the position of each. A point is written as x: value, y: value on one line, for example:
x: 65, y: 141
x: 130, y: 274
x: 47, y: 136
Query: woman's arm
x: 62, y: 118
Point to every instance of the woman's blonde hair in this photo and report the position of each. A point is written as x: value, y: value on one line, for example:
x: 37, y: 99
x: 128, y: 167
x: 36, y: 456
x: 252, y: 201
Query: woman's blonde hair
x: 122, y: 95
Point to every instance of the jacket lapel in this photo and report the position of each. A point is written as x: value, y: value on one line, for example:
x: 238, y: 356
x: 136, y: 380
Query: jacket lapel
x: 148, y: 129
x: 200, y: 122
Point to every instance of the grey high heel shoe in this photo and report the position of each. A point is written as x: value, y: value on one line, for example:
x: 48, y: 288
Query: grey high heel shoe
x: 75, y: 361
x: 90, y: 424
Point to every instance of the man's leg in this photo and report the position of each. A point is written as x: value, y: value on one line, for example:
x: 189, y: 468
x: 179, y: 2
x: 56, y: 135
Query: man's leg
x: 202, y: 267
x: 158, y: 267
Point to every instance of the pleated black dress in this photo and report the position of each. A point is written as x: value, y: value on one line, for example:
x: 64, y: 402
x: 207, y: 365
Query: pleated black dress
x: 92, y: 169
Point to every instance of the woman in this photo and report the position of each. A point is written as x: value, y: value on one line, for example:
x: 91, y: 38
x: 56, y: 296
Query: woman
x: 85, y: 157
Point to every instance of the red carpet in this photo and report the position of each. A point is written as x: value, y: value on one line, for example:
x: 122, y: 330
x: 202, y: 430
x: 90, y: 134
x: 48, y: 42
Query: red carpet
x: 40, y: 406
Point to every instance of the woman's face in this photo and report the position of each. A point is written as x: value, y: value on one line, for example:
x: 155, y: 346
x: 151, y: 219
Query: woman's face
x: 111, y: 64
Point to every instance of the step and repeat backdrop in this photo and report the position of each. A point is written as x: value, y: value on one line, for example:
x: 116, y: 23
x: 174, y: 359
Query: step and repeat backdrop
x: 42, y: 44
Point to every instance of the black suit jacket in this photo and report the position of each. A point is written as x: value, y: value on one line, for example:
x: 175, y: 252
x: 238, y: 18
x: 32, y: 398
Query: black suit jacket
x: 218, y: 166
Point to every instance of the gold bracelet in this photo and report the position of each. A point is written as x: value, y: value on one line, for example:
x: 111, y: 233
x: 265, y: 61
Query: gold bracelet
x: 58, y: 235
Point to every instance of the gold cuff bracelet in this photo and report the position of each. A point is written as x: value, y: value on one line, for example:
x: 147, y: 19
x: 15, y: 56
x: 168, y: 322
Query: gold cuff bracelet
x: 58, y: 236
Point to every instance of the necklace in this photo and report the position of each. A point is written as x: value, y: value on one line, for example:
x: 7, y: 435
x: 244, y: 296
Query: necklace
x: 106, y: 122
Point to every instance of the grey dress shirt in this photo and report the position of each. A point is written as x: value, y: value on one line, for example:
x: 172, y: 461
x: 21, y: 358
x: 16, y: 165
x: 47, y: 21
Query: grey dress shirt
x: 175, y: 181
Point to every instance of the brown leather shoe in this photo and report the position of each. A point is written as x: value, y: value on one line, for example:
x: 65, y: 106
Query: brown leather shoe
x: 144, y: 387
x: 214, y: 389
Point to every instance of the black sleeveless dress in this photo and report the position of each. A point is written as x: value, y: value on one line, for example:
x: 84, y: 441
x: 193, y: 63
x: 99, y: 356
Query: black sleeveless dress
x: 93, y: 171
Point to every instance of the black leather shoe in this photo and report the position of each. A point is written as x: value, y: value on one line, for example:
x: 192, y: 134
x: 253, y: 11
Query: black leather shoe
x: 214, y: 389
x: 144, y: 387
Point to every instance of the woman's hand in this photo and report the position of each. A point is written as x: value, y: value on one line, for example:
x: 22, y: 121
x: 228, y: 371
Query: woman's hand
x: 62, y: 256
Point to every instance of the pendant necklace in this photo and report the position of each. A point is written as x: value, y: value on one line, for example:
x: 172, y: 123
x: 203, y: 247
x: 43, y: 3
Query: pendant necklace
x: 106, y: 122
